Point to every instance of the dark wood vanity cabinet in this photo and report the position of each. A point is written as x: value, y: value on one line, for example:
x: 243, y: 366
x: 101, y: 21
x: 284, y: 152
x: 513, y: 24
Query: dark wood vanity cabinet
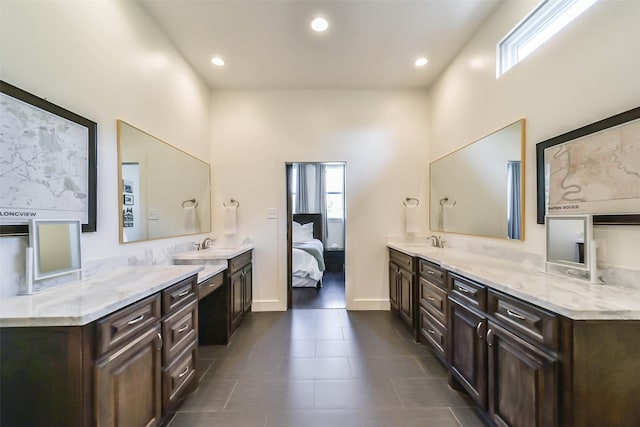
x: 432, y: 308
x: 129, y: 368
x: 240, y: 279
x: 402, y: 294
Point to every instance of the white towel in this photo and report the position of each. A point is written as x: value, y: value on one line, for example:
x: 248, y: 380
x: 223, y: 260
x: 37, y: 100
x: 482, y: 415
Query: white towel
x: 446, y: 217
x: 230, y: 220
x: 191, y: 224
x: 411, y: 219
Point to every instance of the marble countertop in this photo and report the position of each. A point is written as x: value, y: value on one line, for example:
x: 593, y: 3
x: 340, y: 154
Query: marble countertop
x: 213, y: 255
x: 83, y: 301
x: 572, y: 298
x: 210, y: 271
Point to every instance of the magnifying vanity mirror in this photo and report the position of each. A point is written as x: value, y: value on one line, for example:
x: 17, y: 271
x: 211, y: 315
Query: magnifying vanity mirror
x: 164, y: 192
x: 479, y: 189
x: 570, y: 245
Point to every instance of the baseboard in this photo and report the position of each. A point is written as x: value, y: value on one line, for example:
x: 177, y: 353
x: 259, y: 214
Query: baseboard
x: 268, y: 305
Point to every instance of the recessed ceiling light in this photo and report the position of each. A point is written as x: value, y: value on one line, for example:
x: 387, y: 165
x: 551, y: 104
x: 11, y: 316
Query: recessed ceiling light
x: 216, y: 60
x: 421, y: 62
x: 319, y: 24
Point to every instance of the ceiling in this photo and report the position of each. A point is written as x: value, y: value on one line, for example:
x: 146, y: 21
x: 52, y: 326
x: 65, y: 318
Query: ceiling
x: 269, y: 44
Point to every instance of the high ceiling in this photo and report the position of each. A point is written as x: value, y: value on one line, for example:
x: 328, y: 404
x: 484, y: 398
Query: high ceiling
x: 270, y: 45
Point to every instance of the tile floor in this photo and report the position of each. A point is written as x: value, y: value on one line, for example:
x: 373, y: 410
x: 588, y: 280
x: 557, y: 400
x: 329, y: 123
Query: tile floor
x: 329, y: 367
x: 330, y: 295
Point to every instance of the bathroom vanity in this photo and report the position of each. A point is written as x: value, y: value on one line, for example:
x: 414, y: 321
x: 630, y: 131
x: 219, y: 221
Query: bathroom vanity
x: 532, y: 349
x: 118, y: 349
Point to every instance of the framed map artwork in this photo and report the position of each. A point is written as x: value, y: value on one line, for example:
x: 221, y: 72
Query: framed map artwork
x: 47, y: 162
x: 594, y: 170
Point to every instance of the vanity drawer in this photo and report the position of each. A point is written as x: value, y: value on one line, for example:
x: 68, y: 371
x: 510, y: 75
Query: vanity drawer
x: 178, y: 330
x: 431, y: 272
x: 117, y: 328
x: 434, y: 300
x: 178, y: 376
x: 434, y: 333
x: 238, y: 262
x: 524, y: 319
x: 179, y: 294
x: 403, y: 260
x: 210, y: 285
x: 471, y: 293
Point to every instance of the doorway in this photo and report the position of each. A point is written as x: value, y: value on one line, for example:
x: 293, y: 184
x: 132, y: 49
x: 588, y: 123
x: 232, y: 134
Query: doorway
x: 316, y: 235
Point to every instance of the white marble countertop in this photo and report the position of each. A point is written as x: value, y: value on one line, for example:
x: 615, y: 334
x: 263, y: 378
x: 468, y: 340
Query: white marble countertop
x: 210, y: 271
x: 83, y: 301
x: 212, y: 255
x: 572, y: 298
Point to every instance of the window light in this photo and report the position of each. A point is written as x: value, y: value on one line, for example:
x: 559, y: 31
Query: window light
x: 547, y: 19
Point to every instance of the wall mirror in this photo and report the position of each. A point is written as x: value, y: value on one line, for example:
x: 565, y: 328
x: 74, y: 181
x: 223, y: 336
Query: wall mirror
x: 479, y: 189
x: 164, y: 192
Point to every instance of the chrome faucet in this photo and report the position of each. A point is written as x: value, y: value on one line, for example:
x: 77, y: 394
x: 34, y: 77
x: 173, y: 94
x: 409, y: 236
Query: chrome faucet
x: 436, y: 241
x: 206, y: 243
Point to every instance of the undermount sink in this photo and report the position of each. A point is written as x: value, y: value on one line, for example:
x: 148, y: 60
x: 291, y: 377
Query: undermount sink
x: 212, y: 255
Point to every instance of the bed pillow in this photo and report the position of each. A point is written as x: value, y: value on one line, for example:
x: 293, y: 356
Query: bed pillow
x: 302, y: 233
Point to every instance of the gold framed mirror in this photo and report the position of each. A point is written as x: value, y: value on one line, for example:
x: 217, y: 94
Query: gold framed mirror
x: 163, y: 191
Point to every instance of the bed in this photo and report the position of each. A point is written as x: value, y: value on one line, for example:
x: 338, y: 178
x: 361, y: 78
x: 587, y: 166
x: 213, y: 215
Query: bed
x: 307, y: 257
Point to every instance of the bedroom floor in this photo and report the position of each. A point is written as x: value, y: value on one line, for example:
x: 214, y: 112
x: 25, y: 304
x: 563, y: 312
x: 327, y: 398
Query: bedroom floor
x: 331, y: 295
x: 331, y: 367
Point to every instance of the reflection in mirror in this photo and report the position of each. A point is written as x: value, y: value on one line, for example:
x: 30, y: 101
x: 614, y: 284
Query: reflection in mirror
x: 479, y: 189
x: 570, y: 245
x: 56, y: 247
x: 164, y: 192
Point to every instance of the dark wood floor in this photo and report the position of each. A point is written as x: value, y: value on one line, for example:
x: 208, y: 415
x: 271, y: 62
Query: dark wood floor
x: 330, y: 295
x: 318, y: 368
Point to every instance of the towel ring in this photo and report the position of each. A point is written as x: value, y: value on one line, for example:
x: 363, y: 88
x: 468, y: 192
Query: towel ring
x: 411, y: 199
x: 445, y: 200
x: 233, y: 202
x: 194, y: 201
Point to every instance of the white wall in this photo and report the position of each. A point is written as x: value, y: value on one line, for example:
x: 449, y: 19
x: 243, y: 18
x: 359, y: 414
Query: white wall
x: 104, y: 60
x: 382, y: 137
x: 587, y: 72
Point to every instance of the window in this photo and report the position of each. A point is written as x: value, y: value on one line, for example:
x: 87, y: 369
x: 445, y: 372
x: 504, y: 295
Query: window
x: 548, y: 18
x: 334, y: 189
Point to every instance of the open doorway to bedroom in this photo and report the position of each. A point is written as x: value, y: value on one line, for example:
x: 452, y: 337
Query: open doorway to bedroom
x: 316, y: 237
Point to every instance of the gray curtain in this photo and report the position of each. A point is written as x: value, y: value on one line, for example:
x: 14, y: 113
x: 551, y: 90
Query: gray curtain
x: 321, y: 202
x: 514, y: 209
x: 303, y: 189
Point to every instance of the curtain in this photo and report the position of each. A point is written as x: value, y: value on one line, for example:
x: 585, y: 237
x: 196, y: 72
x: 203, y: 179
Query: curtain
x: 321, y: 197
x: 302, y: 205
x: 514, y: 214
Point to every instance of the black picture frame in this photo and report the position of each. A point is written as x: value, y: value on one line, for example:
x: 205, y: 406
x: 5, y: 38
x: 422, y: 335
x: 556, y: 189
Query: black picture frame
x: 127, y: 199
x: 92, y: 144
x: 616, y: 120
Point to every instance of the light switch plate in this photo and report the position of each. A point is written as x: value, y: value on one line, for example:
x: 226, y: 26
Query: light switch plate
x: 153, y: 214
x: 272, y: 213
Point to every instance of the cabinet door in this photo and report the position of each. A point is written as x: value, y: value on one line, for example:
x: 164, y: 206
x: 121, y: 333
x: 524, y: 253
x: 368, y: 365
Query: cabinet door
x: 128, y: 383
x: 522, y: 381
x: 237, y: 308
x: 405, y: 296
x: 248, y: 288
x: 393, y: 286
x: 468, y: 354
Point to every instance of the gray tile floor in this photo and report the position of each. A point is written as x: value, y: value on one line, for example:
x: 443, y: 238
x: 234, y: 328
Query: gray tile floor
x: 327, y: 367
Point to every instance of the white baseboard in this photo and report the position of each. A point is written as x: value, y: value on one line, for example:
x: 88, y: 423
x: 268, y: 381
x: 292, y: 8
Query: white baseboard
x: 268, y: 305
x: 369, y: 305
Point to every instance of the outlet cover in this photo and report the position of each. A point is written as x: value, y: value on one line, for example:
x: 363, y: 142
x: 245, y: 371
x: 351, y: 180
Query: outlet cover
x: 272, y: 213
x: 153, y: 214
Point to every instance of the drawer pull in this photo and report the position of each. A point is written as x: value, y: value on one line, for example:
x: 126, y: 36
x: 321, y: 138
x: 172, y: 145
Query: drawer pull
x: 212, y: 285
x: 136, y: 320
x: 490, y: 337
x: 514, y: 314
x: 479, y: 330
x: 464, y: 290
x: 431, y: 298
x: 161, y: 342
x: 184, y: 328
x: 431, y: 272
x: 432, y: 332
x: 186, y: 370
x: 183, y: 293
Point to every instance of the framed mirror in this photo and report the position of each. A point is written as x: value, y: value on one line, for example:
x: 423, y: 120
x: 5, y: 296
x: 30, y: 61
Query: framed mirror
x: 56, y: 247
x: 568, y: 240
x: 479, y: 189
x: 164, y: 191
